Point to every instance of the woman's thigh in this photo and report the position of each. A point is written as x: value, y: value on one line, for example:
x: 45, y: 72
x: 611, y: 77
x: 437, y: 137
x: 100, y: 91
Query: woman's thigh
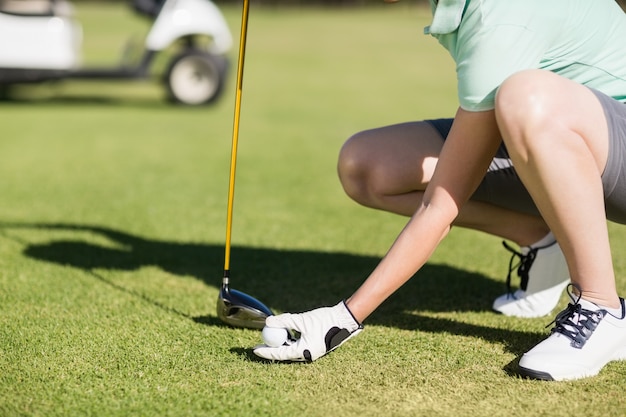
x: 501, y: 185
x: 393, y: 159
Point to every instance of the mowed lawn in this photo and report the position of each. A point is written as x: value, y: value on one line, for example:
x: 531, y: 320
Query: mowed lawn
x: 112, y: 225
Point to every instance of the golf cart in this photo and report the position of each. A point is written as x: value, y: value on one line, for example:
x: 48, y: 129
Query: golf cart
x: 41, y: 41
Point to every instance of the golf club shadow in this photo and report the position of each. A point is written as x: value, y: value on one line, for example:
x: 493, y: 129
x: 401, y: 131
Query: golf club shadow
x: 285, y: 280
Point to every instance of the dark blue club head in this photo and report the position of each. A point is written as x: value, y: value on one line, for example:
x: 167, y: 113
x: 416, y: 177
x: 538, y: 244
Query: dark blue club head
x: 241, y: 310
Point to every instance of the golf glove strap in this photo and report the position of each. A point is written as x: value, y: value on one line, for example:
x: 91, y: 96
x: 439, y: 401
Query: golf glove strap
x: 321, y: 331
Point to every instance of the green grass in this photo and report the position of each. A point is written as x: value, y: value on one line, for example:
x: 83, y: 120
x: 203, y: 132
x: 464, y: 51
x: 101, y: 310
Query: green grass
x: 112, y: 229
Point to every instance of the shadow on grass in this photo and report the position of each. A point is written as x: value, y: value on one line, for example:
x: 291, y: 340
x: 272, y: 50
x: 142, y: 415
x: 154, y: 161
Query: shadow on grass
x: 285, y: 280
x: 45, y: 95
x: 84, y: 100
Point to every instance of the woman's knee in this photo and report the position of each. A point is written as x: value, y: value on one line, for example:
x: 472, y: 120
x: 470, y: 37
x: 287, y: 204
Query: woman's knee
x: 526, y: 104
x: 353, y: 165
x: 389, y: 160
x: 524, y: 97
x: 537, y: 109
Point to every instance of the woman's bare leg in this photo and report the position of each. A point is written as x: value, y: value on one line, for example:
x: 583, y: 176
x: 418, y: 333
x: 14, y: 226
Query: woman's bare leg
x: 388, y: 169
x: 557, y: 136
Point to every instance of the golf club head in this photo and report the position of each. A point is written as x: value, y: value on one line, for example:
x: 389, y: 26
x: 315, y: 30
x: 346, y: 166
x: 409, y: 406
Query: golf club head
x: 240, y: 310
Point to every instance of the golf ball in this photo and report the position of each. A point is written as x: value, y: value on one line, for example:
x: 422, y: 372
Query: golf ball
x: 274, y: 336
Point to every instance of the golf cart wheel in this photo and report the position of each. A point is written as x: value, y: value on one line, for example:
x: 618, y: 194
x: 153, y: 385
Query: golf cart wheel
x: 195, y: 78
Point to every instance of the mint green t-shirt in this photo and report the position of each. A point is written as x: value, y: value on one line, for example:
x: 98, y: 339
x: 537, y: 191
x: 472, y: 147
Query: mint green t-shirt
x: 489, y: 40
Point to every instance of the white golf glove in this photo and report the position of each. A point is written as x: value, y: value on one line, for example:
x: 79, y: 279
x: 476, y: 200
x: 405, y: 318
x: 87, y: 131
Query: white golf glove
x: 321, y: 331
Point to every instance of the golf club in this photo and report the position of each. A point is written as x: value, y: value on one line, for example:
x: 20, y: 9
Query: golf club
x: 234, y: 307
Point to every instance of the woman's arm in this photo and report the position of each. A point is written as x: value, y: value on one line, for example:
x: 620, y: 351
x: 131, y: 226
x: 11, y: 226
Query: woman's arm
x: 463, y: 161
x: 465, y: 157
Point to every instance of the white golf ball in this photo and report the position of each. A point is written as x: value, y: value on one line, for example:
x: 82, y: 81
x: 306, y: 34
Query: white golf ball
x: 274, y: 336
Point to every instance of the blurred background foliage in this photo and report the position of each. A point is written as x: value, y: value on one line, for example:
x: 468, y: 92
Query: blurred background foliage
x: 338, y: 3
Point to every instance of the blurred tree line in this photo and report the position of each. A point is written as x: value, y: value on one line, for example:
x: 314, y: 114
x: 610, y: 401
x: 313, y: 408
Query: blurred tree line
x: 622, y: 3
x: 312, y: 2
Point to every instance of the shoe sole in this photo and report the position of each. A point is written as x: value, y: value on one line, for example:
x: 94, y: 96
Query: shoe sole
x: 532, y: 374
x: 531, y: 312
x: 544, y: 376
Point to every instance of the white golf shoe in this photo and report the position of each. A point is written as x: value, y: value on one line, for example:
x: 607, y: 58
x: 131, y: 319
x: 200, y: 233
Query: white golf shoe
x: 543, y: 274
x: 584, y: 339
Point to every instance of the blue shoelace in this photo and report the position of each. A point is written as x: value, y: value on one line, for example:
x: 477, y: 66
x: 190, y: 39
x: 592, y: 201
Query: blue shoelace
x: 523, y: 264
x: 575, y: 322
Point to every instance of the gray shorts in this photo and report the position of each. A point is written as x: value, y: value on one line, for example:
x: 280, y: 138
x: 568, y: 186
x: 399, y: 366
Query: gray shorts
x: 502, y: 187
